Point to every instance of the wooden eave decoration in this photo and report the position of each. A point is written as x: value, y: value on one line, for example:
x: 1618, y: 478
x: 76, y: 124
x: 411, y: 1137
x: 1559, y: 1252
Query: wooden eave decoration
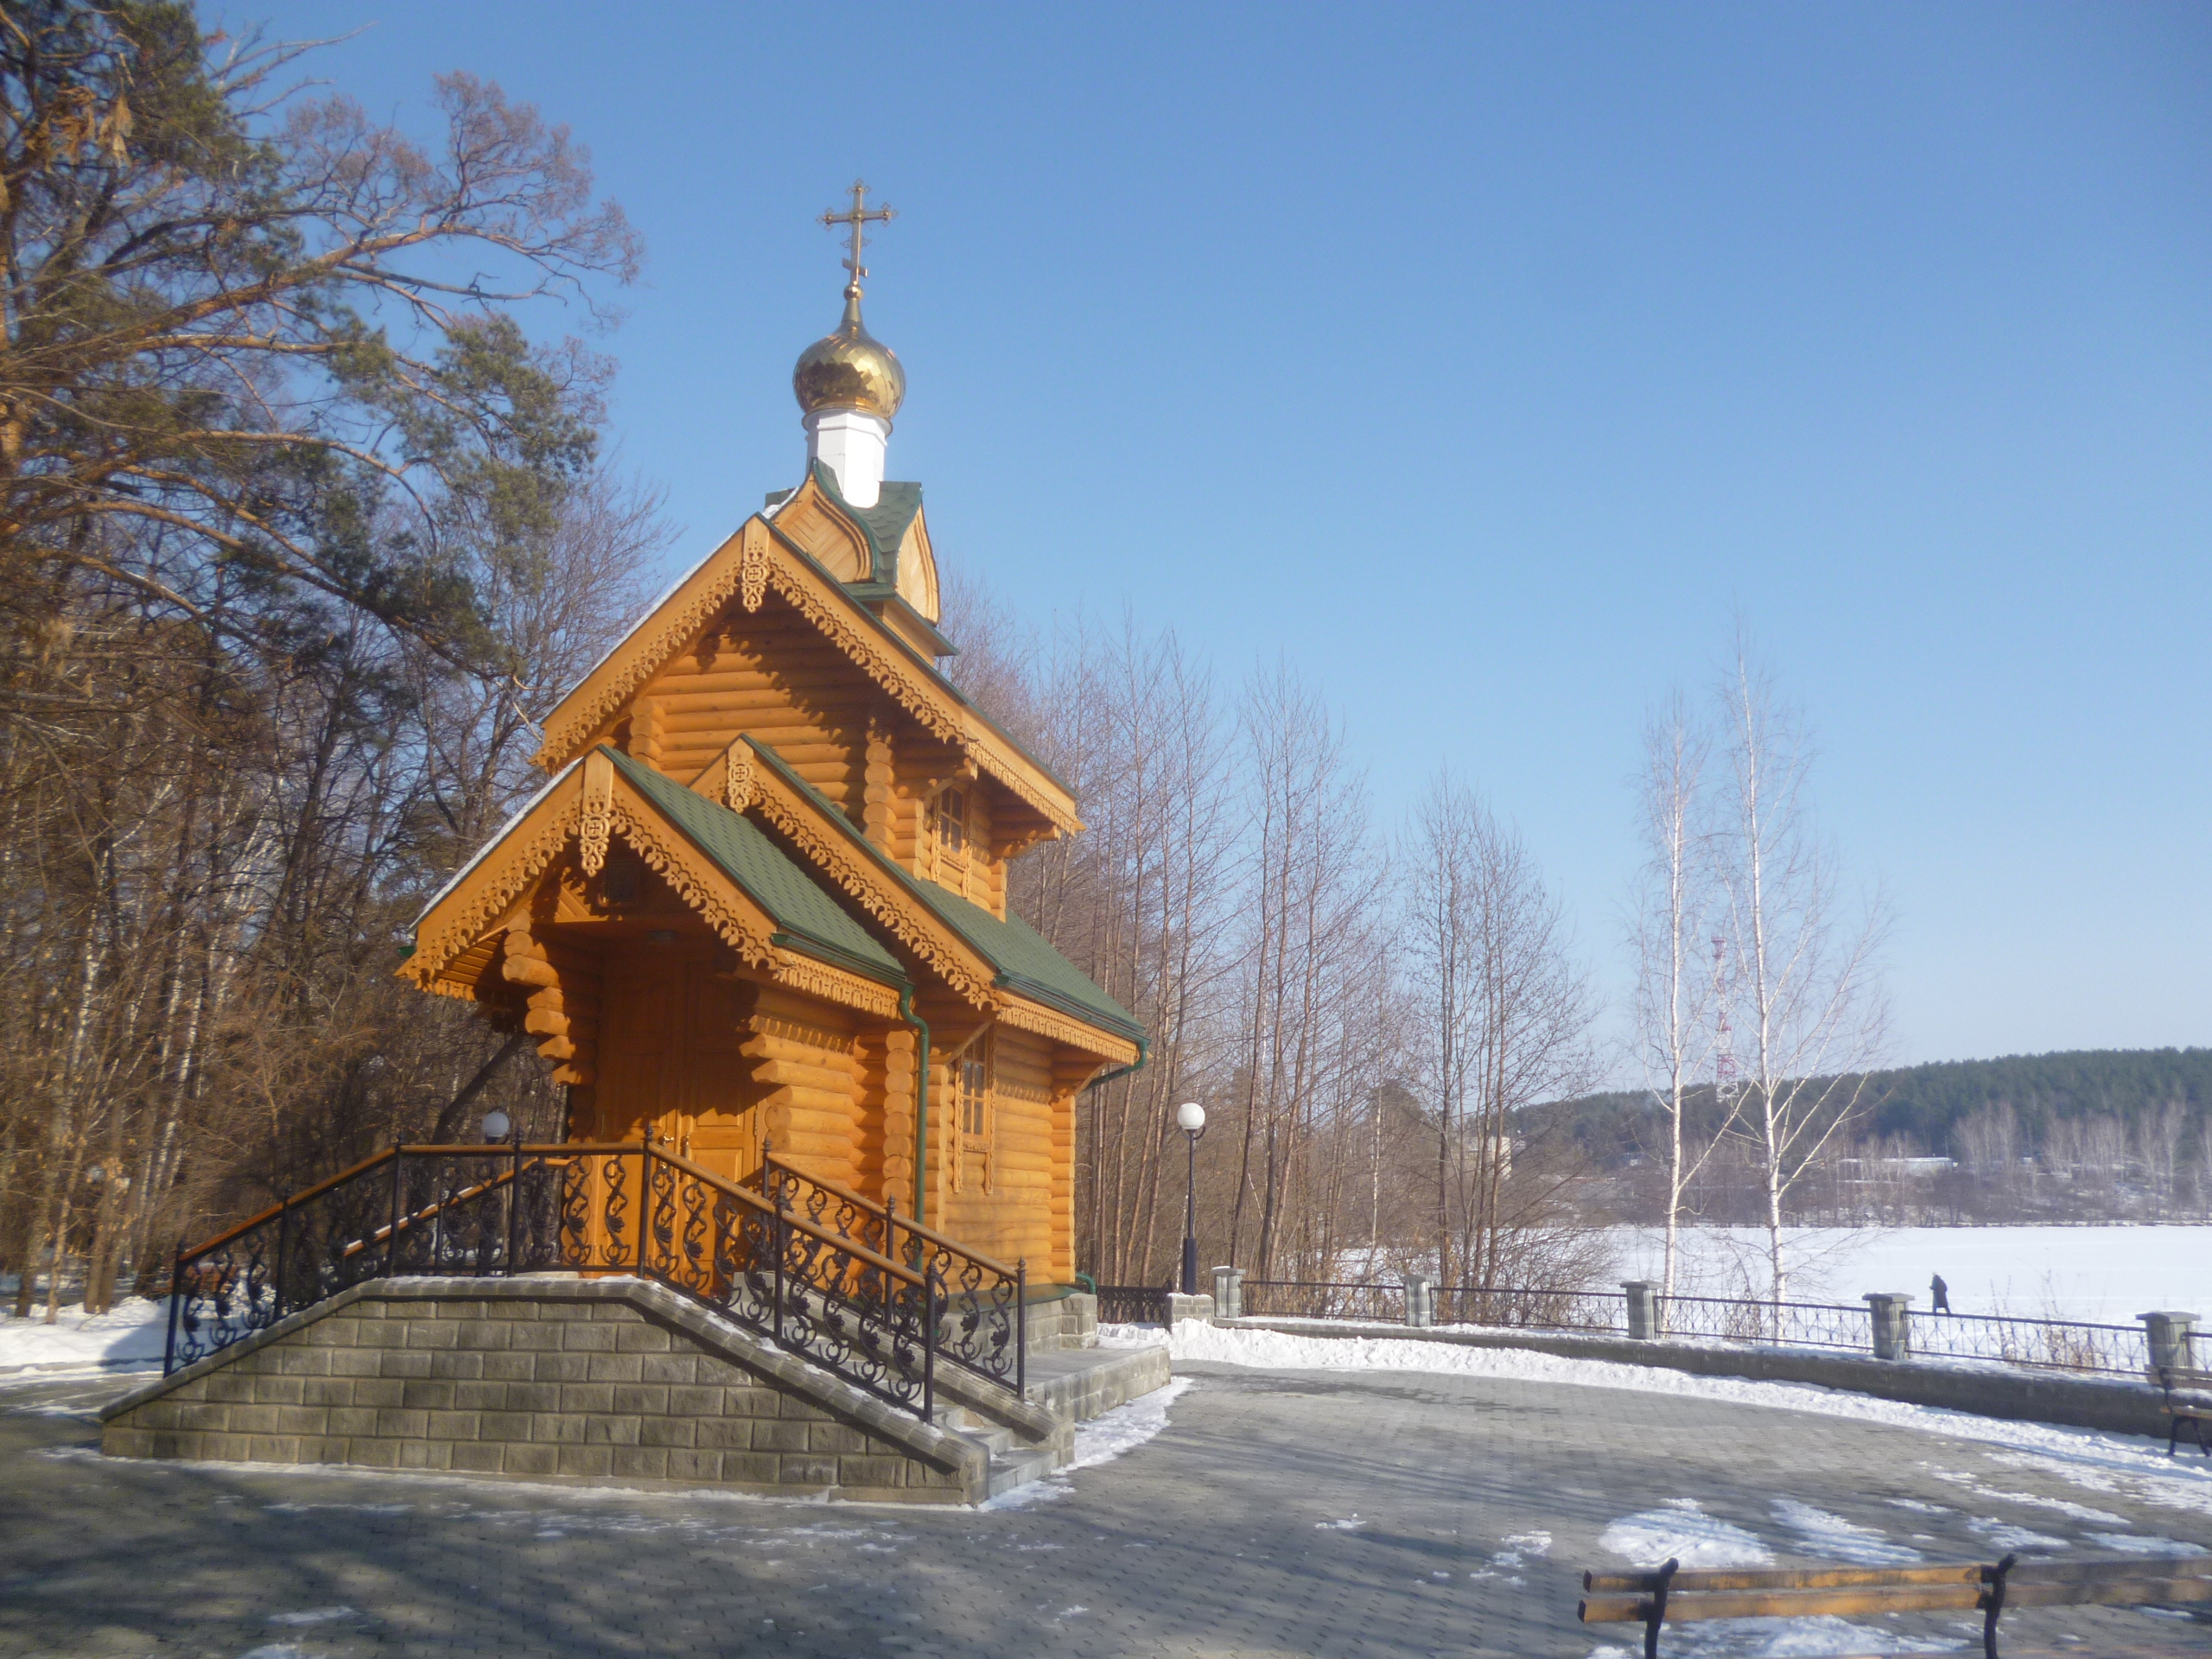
x: 826, y: 840
x: 750, y: 565
x: 587, y: 807
x: 743, y: 780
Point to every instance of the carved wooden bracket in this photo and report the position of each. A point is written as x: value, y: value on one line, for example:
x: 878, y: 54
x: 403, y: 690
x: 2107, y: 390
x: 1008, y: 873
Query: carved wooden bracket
x: 597, y: 817
x: 753, y: 565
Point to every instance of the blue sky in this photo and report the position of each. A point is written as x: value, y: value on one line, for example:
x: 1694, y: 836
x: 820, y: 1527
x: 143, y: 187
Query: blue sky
x: 1489, y: 363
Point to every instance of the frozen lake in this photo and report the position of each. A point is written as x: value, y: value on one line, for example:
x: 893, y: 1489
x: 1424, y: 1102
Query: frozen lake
x: 2104, y: 1275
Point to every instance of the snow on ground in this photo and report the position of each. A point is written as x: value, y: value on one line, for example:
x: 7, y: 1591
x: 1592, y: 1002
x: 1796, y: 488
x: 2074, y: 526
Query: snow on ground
x: 1106, y: 1436
x: 1682, y: 1531
x: 2106, y: 1275
x: 2121, y: 1465
x: 130, y: 1333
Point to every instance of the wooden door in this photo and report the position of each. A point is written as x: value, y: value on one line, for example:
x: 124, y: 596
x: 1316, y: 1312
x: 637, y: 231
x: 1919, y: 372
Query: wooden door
x: 640, y: 1037
x: 721, y: 1101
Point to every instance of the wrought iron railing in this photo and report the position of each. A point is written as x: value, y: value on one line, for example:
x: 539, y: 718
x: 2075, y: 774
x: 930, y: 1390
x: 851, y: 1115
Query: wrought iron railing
x: 983, y: 1315
x: 1790, y: 1325
x: 775, y: 1261
x: 1532, y: 1308
x: 1319, y: 1298
x: 1135, y: 1304
x: 2051, y: 1344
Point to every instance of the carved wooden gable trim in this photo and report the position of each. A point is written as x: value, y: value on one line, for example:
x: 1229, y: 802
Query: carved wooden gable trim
x: 598, y: 801
x: 758, y: 561
x: 830, y: 849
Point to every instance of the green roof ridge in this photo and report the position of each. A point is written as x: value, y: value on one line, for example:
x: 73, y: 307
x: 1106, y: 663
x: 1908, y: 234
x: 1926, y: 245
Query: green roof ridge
x: 806, y: 917
x: 1024, y: 958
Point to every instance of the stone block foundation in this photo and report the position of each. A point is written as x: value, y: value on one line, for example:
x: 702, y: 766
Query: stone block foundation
x: 608, y: 1380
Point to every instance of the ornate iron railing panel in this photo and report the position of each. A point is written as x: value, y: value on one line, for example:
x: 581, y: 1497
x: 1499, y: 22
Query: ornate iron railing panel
x: 496, y: 1210
x: 1134, y: 1304
x: 982, y: 1318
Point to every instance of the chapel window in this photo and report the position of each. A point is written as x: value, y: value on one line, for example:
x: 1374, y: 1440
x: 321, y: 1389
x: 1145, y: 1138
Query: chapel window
x: 975, y: 1099
x: 950, y: 819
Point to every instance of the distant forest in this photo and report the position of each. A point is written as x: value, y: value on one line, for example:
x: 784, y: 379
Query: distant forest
x: 1928, y: 1102
x: 2098, y: 1134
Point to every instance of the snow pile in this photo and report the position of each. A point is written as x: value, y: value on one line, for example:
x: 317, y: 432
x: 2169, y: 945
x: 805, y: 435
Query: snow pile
x: 1782, y: 1638
x: 1682, y: 1531
x: 1832, y: 1536
x: 133, y: 1332
x: 1101, y: 1440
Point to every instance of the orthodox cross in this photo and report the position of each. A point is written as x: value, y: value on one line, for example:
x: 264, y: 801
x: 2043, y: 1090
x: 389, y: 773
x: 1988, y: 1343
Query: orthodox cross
x: 858, y: 214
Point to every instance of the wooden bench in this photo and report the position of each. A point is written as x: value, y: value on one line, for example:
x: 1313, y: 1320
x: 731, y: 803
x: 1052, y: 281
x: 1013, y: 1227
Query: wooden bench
x: 2184, y: 1416
x: 1667, y: 1596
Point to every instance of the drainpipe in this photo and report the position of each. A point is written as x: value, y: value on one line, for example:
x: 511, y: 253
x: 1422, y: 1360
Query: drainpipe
x: 921, y: 1104
x: 1143, y: 1054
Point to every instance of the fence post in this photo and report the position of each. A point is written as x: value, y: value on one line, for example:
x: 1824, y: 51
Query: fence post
x: 284, y: 1217
x: 176, y: 1295
x: 514, y: 1201
x: 1418, y: 1308
x: 2170, y: 1335
x: 392, y: 1232
x: 1229, y: 1292
x: 1892, y: 1324
x: 1643, y: 1309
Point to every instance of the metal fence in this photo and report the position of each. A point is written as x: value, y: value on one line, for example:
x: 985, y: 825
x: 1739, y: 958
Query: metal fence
x: 2051, y: 1344
x: 1790, y: 1325
x: 1318, y: 1298
x: 1532, y: 1309
x: 1134, y: 1304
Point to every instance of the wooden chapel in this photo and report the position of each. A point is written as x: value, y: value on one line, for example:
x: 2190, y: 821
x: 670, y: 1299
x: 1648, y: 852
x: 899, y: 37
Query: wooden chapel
x: 762, y: 895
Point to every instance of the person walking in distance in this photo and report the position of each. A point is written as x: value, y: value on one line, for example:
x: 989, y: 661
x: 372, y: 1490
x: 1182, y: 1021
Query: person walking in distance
x: 1942, y: 1294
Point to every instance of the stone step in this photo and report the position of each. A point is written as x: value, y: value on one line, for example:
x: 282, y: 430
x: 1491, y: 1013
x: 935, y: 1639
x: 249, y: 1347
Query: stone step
x: 1015, y: 1469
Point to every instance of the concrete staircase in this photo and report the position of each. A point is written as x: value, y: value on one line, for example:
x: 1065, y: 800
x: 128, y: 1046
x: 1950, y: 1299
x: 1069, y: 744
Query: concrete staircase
x: 614, y: 1380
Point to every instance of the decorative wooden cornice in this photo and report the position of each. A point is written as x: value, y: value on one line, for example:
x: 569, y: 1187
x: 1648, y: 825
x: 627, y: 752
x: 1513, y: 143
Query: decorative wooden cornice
x: 601, y: 795
x: 816, y: 597
x: 461, y: 918
x: 799, y: 821
x: 736, y: 920
x: 820, y: 979
x: 1025, y: 1015
x: 758, y: 561
x: 681, y: 617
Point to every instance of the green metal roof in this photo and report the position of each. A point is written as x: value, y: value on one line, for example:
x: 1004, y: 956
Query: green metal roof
x: 885, y: 523
x: 807, y: 919
x: 1024, y: 961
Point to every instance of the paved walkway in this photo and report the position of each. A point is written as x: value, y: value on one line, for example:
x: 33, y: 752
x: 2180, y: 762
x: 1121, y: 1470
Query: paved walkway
x: 1280, y: 1513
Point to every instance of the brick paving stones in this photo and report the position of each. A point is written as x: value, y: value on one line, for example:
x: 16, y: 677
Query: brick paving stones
x: 1280, y: 1513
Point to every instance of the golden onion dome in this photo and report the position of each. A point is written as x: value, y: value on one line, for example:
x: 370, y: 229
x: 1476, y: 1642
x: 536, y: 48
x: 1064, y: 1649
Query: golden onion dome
x: 850, y: 369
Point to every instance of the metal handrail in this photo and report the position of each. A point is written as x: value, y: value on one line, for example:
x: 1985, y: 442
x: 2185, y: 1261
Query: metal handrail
x: 800, y: 1275
x: 884, y: 1212
x: 976, y: 1265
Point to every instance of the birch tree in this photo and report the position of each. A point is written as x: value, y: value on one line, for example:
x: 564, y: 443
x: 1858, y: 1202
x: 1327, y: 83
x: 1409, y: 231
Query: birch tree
x: 1673, y: 905
x: 1805, y: 973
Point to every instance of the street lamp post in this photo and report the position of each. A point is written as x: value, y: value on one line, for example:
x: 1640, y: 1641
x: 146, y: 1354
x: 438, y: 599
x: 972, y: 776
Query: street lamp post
x: 1191, y: 1118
